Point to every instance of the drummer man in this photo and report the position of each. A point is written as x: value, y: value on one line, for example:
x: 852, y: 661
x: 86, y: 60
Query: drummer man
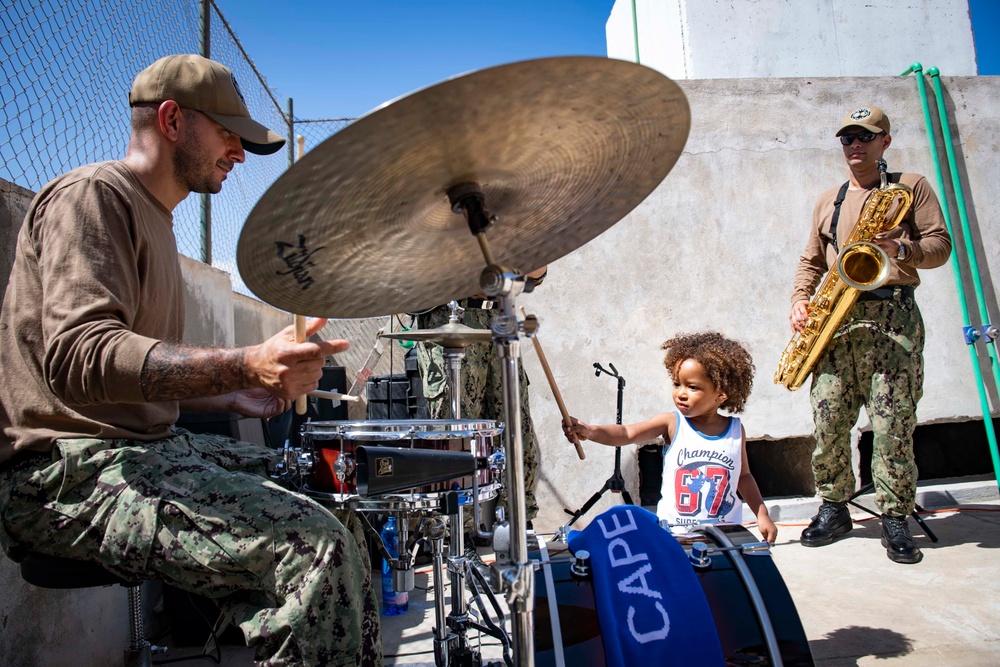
x: 91, y: 467
x: 482, y: 392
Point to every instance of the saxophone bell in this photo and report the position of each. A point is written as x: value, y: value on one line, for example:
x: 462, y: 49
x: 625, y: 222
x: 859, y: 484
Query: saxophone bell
x: 863, y: 266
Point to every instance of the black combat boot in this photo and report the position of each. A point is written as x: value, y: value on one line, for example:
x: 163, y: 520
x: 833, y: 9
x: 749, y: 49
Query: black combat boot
x: 832, y: 521
x: 898, y: 543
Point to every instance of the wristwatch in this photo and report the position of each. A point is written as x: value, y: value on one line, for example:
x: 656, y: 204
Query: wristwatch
x: 901, y: 252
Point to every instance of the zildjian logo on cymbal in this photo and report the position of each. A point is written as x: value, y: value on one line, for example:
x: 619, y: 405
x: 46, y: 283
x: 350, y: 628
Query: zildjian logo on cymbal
x: 298, y: 259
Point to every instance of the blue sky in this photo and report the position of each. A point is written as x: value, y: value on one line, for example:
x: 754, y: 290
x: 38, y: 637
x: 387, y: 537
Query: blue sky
x: 341, y: 58
x: 985, y: 26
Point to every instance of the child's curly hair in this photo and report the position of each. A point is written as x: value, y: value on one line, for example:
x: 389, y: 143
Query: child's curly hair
x: 728, y: 364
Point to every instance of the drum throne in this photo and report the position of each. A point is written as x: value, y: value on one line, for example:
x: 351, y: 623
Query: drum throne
x: 65, y: 573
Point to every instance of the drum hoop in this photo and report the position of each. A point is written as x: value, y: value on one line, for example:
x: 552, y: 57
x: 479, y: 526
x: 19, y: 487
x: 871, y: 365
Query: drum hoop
x: 403, y: 429
x: 553, y: 606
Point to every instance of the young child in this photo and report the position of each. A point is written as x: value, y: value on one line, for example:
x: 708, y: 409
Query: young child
x: 706, y: 463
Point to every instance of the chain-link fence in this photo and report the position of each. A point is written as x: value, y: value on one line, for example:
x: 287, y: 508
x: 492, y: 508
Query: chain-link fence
x: 67, y: 68
x: 231, y: 207
x: 311, y: 133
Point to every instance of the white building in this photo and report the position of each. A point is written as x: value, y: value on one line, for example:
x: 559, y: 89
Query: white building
x: 738, y: 39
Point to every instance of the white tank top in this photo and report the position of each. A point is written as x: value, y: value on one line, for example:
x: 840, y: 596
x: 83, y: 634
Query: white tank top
x: 700, y: 474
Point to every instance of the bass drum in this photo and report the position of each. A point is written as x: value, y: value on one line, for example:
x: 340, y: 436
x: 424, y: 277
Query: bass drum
x: 753, y: 610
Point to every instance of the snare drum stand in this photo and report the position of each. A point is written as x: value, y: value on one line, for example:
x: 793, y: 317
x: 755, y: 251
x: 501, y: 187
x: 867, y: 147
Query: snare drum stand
x: 615, y: 483
x: 451, y: 646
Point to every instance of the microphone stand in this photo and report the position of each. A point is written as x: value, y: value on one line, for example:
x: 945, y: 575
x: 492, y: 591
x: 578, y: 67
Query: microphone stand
x: 615, y: 483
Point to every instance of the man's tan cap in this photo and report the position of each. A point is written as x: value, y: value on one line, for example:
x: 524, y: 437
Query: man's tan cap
x: 871, y: 118
x: 195, y: 82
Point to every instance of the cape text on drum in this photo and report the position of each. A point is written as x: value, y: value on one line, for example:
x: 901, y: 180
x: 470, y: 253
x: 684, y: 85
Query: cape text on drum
x: 633, y: 580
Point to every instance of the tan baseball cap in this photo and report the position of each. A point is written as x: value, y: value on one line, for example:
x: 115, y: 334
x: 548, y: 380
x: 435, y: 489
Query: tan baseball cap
x: 195, y: 82
x: 871, y: 118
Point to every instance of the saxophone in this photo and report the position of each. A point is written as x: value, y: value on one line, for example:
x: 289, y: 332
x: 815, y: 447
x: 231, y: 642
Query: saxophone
x: 861, y: 266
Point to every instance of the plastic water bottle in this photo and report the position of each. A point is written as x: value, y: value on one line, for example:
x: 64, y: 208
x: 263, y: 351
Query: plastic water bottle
x: 393, y: 603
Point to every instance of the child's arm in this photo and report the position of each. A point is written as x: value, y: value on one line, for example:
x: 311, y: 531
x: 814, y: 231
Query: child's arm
x: 747, y: 487
x: 618, y: 435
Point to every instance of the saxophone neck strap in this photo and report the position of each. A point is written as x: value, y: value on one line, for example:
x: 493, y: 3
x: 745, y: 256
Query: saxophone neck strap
x: 836, y: 213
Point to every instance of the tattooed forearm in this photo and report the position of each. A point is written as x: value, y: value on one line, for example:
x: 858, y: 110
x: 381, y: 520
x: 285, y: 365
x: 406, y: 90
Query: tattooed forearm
x: 175, y: 372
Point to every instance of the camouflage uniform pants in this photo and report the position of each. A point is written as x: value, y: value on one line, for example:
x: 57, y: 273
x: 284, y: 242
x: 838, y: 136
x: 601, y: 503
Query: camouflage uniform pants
x: 196, y: 512
x: 875, y: 360
x: 482, y: 392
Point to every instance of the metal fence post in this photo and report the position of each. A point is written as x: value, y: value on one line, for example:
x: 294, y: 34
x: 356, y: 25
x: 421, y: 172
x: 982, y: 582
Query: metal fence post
x: 291, y: 134
x: 205, y: 34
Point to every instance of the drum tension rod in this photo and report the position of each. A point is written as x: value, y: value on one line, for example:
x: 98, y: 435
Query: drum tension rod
x: 700, y: 551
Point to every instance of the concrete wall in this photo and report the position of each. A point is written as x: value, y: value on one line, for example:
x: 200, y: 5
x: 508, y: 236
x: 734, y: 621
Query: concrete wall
x: 715, y: 247
x: 14, y: 202
x: 87, y: 627
x: 721, y: 39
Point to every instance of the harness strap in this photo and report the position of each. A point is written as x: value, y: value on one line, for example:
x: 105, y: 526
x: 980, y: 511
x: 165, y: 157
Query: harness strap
x: 836, y: 213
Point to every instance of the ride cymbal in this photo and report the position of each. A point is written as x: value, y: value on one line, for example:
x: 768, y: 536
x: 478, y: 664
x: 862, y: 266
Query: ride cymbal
x: 561, y: 149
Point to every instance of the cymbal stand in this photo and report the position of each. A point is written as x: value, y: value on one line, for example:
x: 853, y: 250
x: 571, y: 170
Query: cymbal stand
x: 512, y: 572
x: 615, y: 483
x: 451, y: 649
x: 453, y: 360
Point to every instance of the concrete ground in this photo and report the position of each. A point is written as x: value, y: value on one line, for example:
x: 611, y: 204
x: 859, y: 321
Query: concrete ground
x: 857, y: 608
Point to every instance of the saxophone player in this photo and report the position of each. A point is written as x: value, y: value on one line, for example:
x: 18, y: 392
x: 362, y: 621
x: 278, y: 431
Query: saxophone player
x: 875, y: 358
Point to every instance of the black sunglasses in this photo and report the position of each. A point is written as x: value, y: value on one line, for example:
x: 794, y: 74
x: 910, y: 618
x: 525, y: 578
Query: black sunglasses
x: 863, y: 137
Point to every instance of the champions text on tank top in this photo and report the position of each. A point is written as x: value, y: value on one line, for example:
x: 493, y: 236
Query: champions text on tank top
x: 700, y: 474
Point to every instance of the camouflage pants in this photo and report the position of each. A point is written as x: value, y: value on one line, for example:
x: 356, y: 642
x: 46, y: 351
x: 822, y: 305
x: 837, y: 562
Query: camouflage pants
x: 875, y: 360
x: 196, y: 512
x: 482, y: 392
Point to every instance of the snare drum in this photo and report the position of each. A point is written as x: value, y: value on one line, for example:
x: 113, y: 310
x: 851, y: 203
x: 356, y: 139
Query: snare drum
x: 566, y: 601
x: 332, y: 445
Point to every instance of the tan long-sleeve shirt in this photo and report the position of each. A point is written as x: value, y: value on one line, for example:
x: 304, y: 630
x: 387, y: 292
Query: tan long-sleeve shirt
x: 922, y: 231
x: 96, y: 283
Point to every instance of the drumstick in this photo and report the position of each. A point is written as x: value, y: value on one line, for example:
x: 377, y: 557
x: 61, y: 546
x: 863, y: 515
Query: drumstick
x: 333, y: 396
x: 300, y: 337
x: 555, y: 392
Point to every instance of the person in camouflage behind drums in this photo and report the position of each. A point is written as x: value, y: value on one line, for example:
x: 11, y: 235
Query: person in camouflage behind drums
x: 875, y: 358
x: 482, y: 393
x: 91, y: 465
